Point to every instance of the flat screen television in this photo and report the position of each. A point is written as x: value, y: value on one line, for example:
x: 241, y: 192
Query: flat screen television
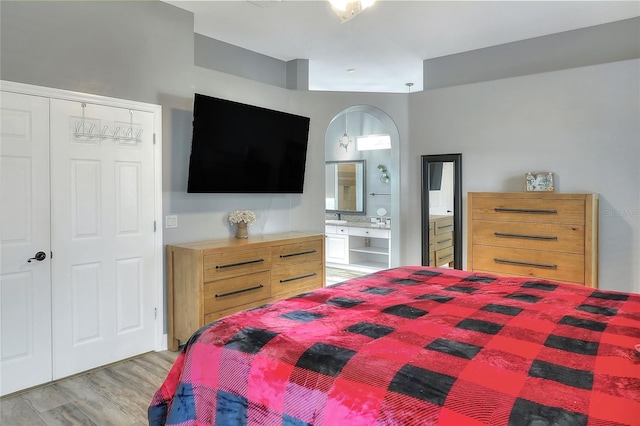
x: 435, y: 176
x: 240, y: 148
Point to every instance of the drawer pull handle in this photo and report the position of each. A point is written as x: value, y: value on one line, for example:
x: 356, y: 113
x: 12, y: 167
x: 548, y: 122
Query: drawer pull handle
x: 445, y: 226
x: 231, y: 265
x: 286, y: 280
x: 536, y: 211
x: 519, y: 263
x: 231, y: 293
x: 530, y: 237
x: 443, y: 241
x: 301, y: 253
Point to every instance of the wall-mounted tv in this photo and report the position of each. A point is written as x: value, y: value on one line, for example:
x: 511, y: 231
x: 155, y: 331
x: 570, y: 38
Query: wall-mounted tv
x: 435, y: 176
x: 240, y: 148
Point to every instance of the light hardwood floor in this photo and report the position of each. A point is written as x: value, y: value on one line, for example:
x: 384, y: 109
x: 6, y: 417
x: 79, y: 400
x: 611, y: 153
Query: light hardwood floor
x: 337, y: 275
x: 118, y: 395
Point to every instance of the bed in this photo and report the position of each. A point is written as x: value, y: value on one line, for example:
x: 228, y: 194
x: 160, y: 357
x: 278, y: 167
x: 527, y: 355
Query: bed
x: 415, y: 346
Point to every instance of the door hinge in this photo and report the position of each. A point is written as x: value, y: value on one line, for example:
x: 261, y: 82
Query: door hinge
x: 154, y: 138
x: 155, y: 226
x: 155, y: 313
x: 51, y: 257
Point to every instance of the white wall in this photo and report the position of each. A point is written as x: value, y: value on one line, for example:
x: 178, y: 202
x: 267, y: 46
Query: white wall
x: 583, y: 124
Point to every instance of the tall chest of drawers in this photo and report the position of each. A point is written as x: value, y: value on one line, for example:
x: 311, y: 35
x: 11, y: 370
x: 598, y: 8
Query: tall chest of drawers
x: 537, y: 234
x: 210, y: 279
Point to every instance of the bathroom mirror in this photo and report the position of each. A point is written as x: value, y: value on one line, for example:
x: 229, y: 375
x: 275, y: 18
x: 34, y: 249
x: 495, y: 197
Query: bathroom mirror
x: 345, y: 186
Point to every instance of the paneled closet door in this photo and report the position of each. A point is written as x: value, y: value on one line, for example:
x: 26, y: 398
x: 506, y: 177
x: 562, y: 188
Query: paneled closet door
x: 102, y: 212
x: 25, y: 283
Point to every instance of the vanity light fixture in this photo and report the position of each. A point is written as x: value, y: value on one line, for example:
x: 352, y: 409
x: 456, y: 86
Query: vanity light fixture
x: 347, y: 9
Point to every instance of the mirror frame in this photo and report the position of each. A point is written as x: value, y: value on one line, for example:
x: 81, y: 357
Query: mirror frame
x: 364, y: 187
x: 456, y: 159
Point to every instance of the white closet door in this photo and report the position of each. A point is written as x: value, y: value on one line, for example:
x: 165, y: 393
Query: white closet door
x: 103, y: 235
x: 25, y: 287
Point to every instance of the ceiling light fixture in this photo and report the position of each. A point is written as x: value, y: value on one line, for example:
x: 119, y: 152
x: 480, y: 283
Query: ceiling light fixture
x: 344, y: 140
x: 347, y: 9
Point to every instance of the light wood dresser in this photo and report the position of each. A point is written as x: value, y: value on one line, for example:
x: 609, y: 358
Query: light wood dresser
x: 207, y: 280
x: 440, y: 240
x: 536, y: 234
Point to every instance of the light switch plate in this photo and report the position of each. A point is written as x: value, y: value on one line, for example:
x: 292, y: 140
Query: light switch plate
x: 171, y: 221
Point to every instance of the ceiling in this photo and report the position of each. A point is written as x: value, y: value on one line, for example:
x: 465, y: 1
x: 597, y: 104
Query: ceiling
x: 383, y: 48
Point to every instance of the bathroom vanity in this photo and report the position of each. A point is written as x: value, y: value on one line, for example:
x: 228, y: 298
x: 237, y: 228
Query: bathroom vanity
x: 360, y: 246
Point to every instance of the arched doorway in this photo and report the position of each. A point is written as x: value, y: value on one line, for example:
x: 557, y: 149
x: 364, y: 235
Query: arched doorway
x: 366, y: 139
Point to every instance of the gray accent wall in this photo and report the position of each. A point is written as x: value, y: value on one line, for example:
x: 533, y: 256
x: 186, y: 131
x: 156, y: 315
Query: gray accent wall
x: 581, y: 122
x: 298, y: 74
x: 227, y: 58
x: 617, y: 41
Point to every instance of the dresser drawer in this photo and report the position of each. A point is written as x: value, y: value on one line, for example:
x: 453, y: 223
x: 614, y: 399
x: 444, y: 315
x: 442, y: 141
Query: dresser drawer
x: 234, y: 263
x: 296, y: 277
x: 565, y: 211
x: 369, y: 232
x: 442, y: 241
x: 232, y: 292
x: 534, y: 263
x: 443, y: 225
x: 538, y: 236
x: 212, y: 316
x: 443, y: 256
x: 292, y: 254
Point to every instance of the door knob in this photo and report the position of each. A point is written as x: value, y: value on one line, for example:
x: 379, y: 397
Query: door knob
x: 40, y: 256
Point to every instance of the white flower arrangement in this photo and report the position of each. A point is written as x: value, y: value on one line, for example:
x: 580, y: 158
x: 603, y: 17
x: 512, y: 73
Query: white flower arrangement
x: 246, y: 216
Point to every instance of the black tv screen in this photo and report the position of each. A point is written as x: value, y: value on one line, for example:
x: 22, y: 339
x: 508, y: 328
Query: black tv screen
x: 239, y: 148
x: 435, y: 176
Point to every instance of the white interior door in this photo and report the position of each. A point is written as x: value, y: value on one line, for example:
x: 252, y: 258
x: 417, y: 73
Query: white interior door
x: 25, y: 287
x: 441, y: 201
x: 103, y: 235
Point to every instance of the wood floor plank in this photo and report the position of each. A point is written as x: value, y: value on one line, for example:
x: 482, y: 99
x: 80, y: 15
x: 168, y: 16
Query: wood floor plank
x: 66, y: 415
x: 15, y: 411
x: 93, y: 403
x: 168, y: 356
x: 44, y: 398
x: 152, y: 365
x: 128, y: 398
x: 133, y: 377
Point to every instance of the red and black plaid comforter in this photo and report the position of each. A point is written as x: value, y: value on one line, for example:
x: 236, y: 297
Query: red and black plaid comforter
x: 415, y: 346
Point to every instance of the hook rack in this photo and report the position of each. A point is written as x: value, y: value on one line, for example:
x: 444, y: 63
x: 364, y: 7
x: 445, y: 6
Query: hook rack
x: 129, y: 135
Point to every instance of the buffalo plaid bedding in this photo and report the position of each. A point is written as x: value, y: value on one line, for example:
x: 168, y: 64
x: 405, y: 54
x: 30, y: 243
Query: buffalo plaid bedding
x: 415, y: 346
